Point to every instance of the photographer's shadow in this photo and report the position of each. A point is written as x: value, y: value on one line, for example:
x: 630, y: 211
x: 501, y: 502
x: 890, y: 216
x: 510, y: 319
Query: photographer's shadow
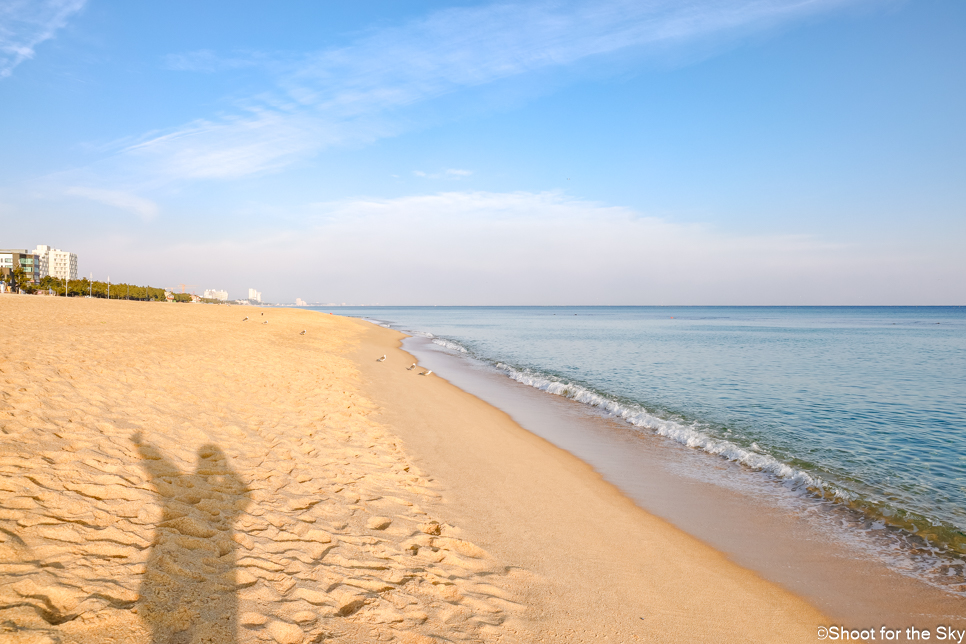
x: 189, y: 592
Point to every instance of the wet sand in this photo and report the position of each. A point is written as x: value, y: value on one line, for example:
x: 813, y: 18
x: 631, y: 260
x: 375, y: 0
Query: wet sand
x: 819, y: 550
x: 173, y: 474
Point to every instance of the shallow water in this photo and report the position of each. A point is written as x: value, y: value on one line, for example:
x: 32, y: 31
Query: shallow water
x: 865, y: 406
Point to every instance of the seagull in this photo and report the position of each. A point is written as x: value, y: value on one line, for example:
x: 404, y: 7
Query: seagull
x: 381, y: 359
x: 410, y: 368
x: 246, y: 319
x: 303, y: 332
x: 265, y: 322
x: 427, y: 373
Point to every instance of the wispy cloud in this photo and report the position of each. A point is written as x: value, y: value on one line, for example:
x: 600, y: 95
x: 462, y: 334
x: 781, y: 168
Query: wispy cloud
x: 24, y: 24
x: 452, y: 173
x: 207, y: 61
x: 355, y: 94
x: 143, y: 208
x: 471, y: 247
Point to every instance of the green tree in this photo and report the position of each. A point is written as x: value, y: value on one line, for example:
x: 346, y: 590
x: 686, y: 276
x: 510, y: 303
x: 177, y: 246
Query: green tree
x: 18, y: 278
x: 84, y: 287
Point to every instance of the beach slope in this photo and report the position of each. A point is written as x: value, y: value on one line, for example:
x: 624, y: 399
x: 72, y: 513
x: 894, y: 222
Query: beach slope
x: 174, y: 473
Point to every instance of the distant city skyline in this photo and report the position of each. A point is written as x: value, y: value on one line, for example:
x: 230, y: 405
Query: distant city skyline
x: 575, y: 152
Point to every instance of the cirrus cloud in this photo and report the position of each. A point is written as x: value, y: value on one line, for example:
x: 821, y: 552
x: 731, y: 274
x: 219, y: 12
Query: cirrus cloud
x: 24, y: 24
x: 359, y: 93
x: 143, y: 208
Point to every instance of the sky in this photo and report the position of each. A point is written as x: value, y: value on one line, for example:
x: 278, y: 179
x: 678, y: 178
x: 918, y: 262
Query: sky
x: 653, y: 152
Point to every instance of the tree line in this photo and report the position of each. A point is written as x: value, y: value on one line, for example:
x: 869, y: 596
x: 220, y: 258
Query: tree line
x: 84, y: 287
x: 17, y: 280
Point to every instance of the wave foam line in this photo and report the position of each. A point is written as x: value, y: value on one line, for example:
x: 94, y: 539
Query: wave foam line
x: 689, y: 436
x: 683, y: 434
x: 903, y: 557
x: 452, y: 346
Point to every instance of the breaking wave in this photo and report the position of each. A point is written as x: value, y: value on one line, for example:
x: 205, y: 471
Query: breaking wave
x: 935, y: 558
x: 689, y: 435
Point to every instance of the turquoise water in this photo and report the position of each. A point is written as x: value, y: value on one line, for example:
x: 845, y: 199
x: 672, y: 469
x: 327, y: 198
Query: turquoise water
x: 865, y: 406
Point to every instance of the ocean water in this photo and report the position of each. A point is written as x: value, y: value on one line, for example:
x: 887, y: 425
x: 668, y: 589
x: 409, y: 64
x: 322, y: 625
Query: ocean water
x: 860, y: 406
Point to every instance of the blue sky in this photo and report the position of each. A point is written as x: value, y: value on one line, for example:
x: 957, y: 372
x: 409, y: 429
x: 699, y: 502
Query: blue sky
x: 606, y: 152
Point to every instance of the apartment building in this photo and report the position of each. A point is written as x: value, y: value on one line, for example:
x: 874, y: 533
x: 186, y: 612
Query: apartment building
x: 57, y: 263
x: 12, y: 259
x: 254, y: 296
x: 212, y: 294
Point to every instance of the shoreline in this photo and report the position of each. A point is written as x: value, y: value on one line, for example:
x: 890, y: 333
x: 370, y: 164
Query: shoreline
x: 322, y: 494
x: 583, y: 535
x: 756, y: 522
x: 859, y: 475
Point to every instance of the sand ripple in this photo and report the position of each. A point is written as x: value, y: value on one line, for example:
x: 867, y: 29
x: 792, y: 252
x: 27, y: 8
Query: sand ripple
x: 170, y: 474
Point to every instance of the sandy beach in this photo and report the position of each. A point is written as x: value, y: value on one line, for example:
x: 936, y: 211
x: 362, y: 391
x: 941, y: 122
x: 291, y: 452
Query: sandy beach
x: 174, y: 474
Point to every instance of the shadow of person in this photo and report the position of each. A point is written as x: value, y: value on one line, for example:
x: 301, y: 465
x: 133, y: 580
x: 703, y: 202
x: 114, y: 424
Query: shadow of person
x: 188, y: 593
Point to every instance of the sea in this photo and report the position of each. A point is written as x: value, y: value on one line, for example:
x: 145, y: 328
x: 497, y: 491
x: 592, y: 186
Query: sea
x: 858, y: 408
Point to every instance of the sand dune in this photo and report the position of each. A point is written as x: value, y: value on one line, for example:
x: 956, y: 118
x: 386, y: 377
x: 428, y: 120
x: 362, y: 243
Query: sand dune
x: 169, y: 474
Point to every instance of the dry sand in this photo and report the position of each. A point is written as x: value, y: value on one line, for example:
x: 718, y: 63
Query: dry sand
x: 171, y: 474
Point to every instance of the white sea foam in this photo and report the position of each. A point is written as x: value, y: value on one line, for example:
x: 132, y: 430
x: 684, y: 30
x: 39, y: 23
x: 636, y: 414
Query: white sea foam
x: 892, y: 547
x: 452, y: 346
x: 690, y: 436
x: 874, y: 538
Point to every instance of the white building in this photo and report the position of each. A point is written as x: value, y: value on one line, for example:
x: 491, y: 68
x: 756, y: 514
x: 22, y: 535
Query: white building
x: 300, y: 302
x: 212, y: 294
x: 56, y: 262
x: 254, y: 296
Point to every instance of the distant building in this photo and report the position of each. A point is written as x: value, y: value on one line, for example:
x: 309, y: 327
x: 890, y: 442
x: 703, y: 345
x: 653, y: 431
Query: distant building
x: 57, y: 263
x: 42, y: 254
x: 300, y: 302
x: 12, y: 259
x: 254, y: 296
x: 212, y: 294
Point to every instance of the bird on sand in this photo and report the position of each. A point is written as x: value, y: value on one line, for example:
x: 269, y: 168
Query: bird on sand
x: 427, y: 373
x: 381, y: 359
x: 246, y: 319
x: 302, y: 332
x: 265, y: 322
x: 411, y: 367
